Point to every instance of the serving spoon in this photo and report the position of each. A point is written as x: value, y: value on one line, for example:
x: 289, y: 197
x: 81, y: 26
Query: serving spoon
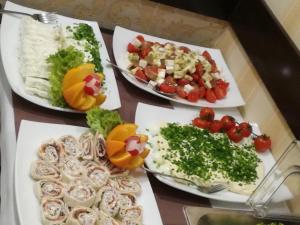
x: 154, y: 88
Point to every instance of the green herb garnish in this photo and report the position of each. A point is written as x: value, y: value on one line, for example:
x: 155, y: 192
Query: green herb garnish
x: 196, y: 152
x: 59, y: 64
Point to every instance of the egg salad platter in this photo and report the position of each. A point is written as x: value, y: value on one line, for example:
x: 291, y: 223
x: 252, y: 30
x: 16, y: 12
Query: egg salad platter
x: 57, y: 182
x: 179, y: 72
x: 41, y: 62
x: 180, y: 149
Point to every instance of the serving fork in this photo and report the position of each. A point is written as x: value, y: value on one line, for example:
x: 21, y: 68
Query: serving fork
x: 205, y: 189
x: 50, y: 17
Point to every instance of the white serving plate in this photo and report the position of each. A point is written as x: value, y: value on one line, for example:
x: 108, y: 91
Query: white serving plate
x: 28, y: 143
x: 10, y: 43
x: 148, y: 116
x: 123, y: 36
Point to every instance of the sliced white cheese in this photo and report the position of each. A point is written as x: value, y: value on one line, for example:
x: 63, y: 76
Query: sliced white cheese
x: 37, y: 92
x: 41, y: 84
x: 159, y: 81
x: 187, y: 88
x: 143, y: 63
x: 136, y: 42
x: 161, y: 73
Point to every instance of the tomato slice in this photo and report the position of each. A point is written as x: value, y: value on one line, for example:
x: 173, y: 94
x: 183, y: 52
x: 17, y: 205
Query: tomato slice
x: 170, y: 80
x: 140, y: 75
x: 167, y: 88
x: 151, y: 72
x: 199, y: 69
x: 183, y: 82
x: 193, y: 95
x: 206, y: 55
x: 131, y: 48
x: 180, y: 92
x: 210, y: 96
x: 196, y: 77
x: 219, y: 92
x: 144, y: 52
x: 222, y: 84
x: 201, y: 91
x: 140, y: 38
x: 185, y: 49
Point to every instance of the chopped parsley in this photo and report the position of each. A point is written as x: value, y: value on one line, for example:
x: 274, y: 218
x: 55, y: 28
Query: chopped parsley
x: 84, y: 31
x: 196, y: 152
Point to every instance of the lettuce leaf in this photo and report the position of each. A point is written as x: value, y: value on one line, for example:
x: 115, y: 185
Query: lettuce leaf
x: 102, y: 120
x: 59, y: 63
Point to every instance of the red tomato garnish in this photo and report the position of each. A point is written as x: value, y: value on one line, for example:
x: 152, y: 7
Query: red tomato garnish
x: 193, y: 96
x: 235, y: 134
x: 151, y: 72
x: 131, y: 48
x: 206, y: 55
x: 180, y: 92
x: 246, y: 129
x: 167, y: 88
x: 144, y: 52
x: 262, y: 143
x: 207, y: 113
x: 146, y: 44
x: 170, y: 80
x: 140, y: 75
x: 228, y: 122
x: 183, y: 82
x: 213, y: 66
x: 196, y: 77
x: 140, y: 38
x: 201, y: 91
x: 204, y: 124
x: 185, y: 49
x: 219, y: 92
x: 201, y: 82
x: 216, y: 126
x: 221, y: 84
x: 199, y: 69
x: 210, y: 96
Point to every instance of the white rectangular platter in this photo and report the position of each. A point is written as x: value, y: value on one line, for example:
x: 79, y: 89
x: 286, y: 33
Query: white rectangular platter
x: 123, y: 36
x: 31, y: 135
x: 10, y: 42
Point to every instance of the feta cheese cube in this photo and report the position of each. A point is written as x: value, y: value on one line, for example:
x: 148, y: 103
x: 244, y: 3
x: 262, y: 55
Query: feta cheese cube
x: 143, y: 63
x: 169, y: 62
x: 161, y: 73
x: 169, y: 69
x: 152, y: 83
x: 159, y: 81
x: 187, y: 88
x: 136, y: 42
x: 157, y: 62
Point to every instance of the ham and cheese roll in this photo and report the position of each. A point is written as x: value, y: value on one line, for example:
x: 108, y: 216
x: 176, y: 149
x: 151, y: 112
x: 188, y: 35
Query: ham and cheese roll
x: 127, y: 200
x: 51, y: 151
x: 131, y: 222
x: 79, y: 193
x: 116, y: 171
x: 133, y: 213
x: 98, y: 176
x: 71, y: 169
x: 50, y: 189
x: 70, y: 145
x: 105, y: 219
x: 107, y: 201
x: 127, y: 184
x: 54, y: 211
x: 100, y: 149
x: 82, y: 216
x: 86, y: 143
x: 40, y: 170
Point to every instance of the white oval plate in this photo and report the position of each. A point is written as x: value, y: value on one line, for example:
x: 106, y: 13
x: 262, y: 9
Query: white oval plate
x: 124, y: 36
x: 10, y: 42
x: 28, y: 205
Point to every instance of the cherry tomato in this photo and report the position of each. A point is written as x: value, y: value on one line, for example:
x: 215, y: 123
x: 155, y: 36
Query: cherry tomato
x: 213, y: 66
x: 180, y: 92
x: 235, y: 134
x: 222, y: 84
x: 170, y: 80
x: 262, y: 143
x: 201, y: 91
x: 140, y: 75
x: 207, y: 113
x: 199, y: 69
x: 151, y: 72
x: 196, y: 77
x: 204, y: 124
x: 219, y: 92
x: 131, y: 48
x: 228, y: 122
x: 144, y: 52
x: 185, y: 49
x: 140, y: 38
x: 193, y: 95
x: 246, y: 129
x: 216, y: 126
x: 206, y: 55
x: 210, y: 96
x: 201, y: 82
x: 167, y: 88
x: 146, y: 44
x: 183, y: 82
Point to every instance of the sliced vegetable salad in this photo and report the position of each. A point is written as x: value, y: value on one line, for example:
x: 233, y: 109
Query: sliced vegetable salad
x: 176, y: 69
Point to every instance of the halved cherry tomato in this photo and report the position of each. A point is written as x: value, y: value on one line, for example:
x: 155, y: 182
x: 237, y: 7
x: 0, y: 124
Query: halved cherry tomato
x: 140, y: 38
x: 210, y: 96
x: 151, y: 72
x: 167, y: 88
x: 216, y: 126
x: 183, y: 82
x: 140, y: 75
x: 196, y: 77
x: 262, y: 143
x: 228, y: 122
x: 206, y: 55
x: 193, y: 95
x: 235, y: 134
x: 185, y: 49
x: 201, y: 91
x: 199, y: 69
x: 180, y: 92
x: 146, y: 44
x: 207, y: 113
x: 170, y: 80
x: 144, y: 52
x: 201, y: 82
x: 246, y: 129
x: 222, y: 84
x: 213, y: 66
x: 219, y: 92
x: 198, y: 122
x: 131, y: 48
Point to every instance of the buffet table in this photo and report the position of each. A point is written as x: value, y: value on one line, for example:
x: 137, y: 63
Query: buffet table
x: 170, y: 201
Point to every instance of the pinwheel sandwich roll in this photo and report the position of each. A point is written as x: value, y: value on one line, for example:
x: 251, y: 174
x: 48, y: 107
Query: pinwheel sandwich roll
x: 54, y: 211
x: 107, y: 200
x: 70, y: 145
x: 71, y: 169
x: 79, y: 193
x: 131, y: 213
x: 116, y: 171
x: 86, y: 144
x: 98, y: 176
x: 127, y: 200
x: 127, y: 184
x: 100, y: 150
x: 82, y: 216
x: 41, y: 170
x: 50, y: 189
x: 131, y: 222
x: 104, y: 219
x: 51, y: 151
